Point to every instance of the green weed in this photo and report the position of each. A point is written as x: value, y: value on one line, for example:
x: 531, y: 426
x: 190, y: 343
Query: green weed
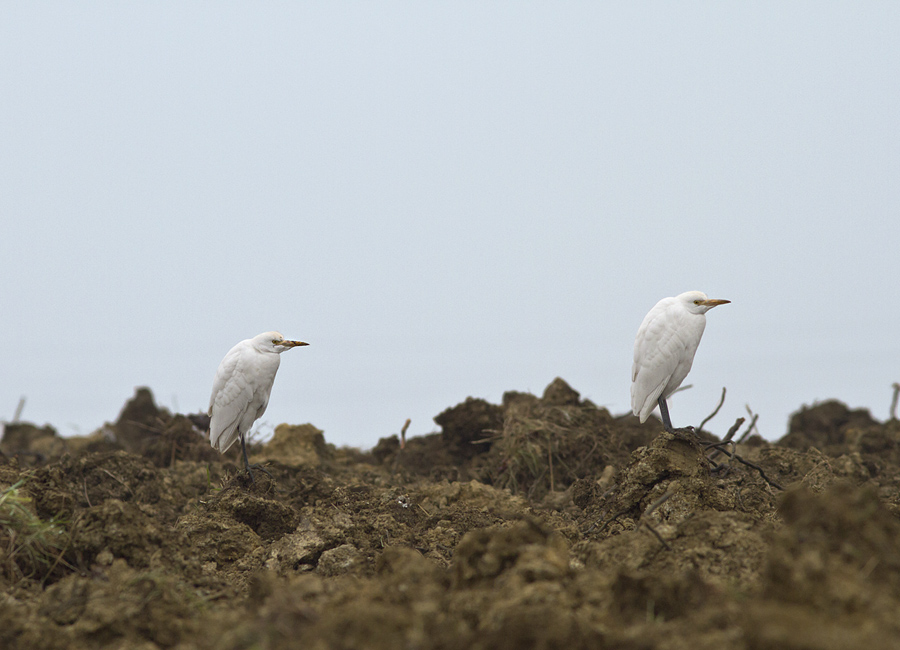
x: 29, y: 546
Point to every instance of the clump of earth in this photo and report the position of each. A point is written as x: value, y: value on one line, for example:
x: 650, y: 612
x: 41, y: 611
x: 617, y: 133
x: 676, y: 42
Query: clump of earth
x: 541, y: 522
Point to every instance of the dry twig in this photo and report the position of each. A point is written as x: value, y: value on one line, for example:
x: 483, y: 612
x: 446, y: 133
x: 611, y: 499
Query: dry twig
x: 759, y: 469
x: 741, y: 459
x: 397, y: 459
x: 18, y: 412
x: 106, y: 471
x: 87, y: 498
x: 720, y: 448
x: 713, y: 414
x: 726, y: 441
x: 403, y: 433
x: 608, y: 521
x: 645, y: 517
x: 750, y: 427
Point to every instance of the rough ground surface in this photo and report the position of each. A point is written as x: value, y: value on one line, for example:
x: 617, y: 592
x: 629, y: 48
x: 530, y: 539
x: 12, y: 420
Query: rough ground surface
x: 542, y: 522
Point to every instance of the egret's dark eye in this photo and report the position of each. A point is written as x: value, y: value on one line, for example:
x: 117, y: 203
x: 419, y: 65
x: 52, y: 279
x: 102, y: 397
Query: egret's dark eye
x: 697, y: 302
x: 274, y: 341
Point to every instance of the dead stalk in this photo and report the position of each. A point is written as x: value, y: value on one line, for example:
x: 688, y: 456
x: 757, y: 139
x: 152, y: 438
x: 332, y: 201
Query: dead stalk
x: 19, y: 408
x: 645, y: 517
x: 403, y: 433
x: 759, y: 469
x: 84, y: 482
x: 397, y: 459
x: 106, y: 471
x: 750, y: 427
x: 716, y: 446
x: 713, y: 414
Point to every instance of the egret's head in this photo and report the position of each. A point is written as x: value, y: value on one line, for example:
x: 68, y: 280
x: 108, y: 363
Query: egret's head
x: 275, y: 342
x: 696, y: 302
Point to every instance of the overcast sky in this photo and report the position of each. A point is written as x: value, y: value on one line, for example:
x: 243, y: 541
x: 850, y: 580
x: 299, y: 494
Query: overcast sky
x: 445, y: 200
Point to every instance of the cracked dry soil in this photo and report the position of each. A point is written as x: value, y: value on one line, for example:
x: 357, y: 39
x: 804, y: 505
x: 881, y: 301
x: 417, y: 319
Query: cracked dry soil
x: 528, y: 524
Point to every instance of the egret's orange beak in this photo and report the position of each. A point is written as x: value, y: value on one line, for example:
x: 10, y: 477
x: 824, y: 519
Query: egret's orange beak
x: 714, y: 302
x: 292, y: 344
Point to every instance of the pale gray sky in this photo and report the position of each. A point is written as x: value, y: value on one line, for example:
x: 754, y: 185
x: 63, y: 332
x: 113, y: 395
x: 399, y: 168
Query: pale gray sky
x: 445, y: 199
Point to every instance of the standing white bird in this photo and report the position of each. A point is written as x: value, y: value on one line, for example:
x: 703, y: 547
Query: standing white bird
x: 664, y: 350
x: 241, y: 389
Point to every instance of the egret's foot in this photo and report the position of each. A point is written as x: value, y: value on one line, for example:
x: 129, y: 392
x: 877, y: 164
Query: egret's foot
x: 688, y: 433
x: 248, y: 466
x: 680, y: 431
x: 257, y: 466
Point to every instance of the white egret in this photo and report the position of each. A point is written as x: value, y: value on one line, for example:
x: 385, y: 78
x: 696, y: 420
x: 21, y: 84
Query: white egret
x: 664, y: 350
x: 241, y: 389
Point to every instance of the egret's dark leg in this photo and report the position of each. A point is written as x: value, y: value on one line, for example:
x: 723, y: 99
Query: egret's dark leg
x: 247, y: 464
x: 663, y: 410
x: 246, y: 460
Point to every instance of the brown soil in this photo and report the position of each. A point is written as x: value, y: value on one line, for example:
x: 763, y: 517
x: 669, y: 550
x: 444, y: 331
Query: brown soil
x: 541, y: 522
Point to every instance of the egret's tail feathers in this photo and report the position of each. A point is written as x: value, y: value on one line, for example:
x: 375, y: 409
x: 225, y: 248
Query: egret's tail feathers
x: 643, y: 403
x: 222, y: 441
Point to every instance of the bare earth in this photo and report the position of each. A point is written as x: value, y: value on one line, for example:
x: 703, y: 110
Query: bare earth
x: 542, y: 522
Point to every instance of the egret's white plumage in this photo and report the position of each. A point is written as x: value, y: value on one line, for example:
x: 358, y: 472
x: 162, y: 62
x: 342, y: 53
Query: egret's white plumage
x: 242, y: 386
x: 664, y: 350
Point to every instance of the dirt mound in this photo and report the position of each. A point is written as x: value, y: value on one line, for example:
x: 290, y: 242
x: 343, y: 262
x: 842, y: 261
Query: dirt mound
x: 828, y: 426
x: 537, y: 522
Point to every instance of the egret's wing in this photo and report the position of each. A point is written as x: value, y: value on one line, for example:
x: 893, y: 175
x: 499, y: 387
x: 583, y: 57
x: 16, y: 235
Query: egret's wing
x: 262, y: 407
x: 651, y: 371
x: 223, y: 373
x: 228, y: 413
x: 230, y: 399
x: 267, y: 369
x: 661, y: 349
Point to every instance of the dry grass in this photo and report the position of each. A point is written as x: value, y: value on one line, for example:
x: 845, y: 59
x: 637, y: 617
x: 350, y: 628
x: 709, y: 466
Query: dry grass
x: 544, y: 449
